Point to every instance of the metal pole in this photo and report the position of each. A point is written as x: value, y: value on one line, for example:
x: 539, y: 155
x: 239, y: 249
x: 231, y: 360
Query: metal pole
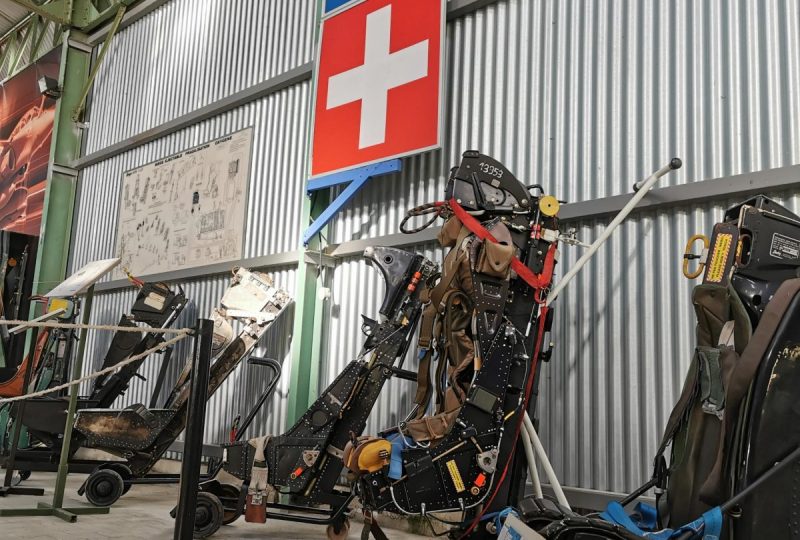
x: 66, y: 441
x: 193, y: 444
x: 642, y: 188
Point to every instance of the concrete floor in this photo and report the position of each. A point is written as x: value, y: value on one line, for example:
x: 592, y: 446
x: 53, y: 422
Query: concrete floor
x: 143, y: 513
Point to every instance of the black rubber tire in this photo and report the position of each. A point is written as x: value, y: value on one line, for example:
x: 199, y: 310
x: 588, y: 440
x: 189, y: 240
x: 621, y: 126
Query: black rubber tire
x: 104, y: 487
x: 231, y: 514
x: 208, y: 515
x: 24, y: 475
x: 125, y: 472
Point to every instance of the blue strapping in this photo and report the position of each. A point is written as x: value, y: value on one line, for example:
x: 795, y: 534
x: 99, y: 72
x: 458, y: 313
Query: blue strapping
x: 396, y: 459
x: 708, y: 526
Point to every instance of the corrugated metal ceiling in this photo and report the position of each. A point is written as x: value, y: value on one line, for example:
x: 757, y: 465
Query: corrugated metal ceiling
x: 10, y: 14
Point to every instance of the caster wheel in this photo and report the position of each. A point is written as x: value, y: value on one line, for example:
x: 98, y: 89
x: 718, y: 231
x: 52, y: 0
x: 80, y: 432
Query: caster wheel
x: 104, y: 487
x: 230, y: 504
x: 338, y: 531
x: 24, y: 475
x: 208, y: 515
x: 125, y: 472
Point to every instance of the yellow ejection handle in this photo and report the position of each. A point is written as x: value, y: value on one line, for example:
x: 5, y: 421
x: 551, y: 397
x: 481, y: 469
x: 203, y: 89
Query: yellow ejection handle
x: 688, y: 256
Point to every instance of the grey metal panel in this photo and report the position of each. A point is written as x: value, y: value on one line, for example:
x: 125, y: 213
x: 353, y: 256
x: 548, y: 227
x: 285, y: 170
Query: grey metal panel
x: 276, y: 177
x: 586, y: 97
x: 244, y: 385
x: 189, y: 53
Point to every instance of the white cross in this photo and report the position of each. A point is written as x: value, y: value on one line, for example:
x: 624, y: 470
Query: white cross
x: 381, y: 71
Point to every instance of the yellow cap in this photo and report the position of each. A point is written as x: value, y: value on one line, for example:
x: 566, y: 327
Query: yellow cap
x: 549, y: 205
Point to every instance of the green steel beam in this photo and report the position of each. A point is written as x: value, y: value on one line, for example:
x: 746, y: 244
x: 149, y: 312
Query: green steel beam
x: 309, y: 305
x: 43, y: 25
x: 308, y: 320
x: 22, y: 42
x: 83, y: 15
x: 59, y: 201
x: 58, y: 11
x: 78, y: 113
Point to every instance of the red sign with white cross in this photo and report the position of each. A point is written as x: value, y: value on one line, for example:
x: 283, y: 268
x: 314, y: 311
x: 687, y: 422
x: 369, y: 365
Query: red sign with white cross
x: 378, y: 83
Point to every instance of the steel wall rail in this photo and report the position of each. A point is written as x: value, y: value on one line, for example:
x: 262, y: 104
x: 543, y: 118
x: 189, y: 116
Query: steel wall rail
x: 456, y: 8
x: 262, y: 89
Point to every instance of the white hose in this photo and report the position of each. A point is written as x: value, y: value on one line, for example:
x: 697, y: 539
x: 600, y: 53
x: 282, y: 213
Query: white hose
x: 532, y: 470
x: 643, y: 188
x: 548, y: 468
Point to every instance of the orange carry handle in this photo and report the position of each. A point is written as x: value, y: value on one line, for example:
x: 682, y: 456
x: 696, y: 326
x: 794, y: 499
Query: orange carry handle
x: 688, y: 256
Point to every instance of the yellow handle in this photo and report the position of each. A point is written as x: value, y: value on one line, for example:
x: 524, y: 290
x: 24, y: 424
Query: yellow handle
x: 688, y: 255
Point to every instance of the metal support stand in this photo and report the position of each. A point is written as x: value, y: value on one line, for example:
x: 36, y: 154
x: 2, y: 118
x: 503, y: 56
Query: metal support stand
x: 162, y: 375
x: 193, y: 445
x: 356, y: 178
x: 56, y: 509
x: 7, y: 487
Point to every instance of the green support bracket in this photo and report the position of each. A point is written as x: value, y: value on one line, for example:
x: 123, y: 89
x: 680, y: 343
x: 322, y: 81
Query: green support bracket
x: 78, y: 113
x: 59, y: 200
x: 308, y: 319
x: 43, y: 25
x: 58, y: 11
x: 309, y: 306
x: 85, y: 15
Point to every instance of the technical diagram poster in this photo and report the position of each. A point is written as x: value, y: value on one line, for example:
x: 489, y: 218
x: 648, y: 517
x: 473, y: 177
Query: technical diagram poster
x: 185, y: 210
x: 26, y: 129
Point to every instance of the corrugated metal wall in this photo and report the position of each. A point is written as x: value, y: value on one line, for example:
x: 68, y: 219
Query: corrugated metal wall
x: 175, y: 60
x: 190, y: 53
x: 584, y: 97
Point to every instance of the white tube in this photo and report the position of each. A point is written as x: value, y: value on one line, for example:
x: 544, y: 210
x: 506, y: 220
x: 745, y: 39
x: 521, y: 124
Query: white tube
x: 643, y: 188
x: 548, y: 468
x: 532, y: 470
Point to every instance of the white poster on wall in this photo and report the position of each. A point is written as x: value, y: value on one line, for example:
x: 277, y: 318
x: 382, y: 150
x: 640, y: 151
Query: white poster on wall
x: 185, y: 210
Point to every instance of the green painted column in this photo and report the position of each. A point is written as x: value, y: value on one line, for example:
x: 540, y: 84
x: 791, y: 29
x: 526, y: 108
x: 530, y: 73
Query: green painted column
x: 308, y: 320
x: 308, y: 313
x: 59, y: 200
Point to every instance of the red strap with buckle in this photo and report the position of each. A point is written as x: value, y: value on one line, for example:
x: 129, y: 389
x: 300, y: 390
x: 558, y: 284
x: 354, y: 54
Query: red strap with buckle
x: 537, y: 282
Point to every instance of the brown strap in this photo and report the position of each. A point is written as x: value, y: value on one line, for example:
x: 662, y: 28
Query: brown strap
x: 371, y: 527
x: 424, y: 389
x: 713, y: 489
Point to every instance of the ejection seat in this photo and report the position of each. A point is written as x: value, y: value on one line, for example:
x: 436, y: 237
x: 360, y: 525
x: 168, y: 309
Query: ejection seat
x: 139, y: 434
x: 733, y: 438
x: 156, y: 306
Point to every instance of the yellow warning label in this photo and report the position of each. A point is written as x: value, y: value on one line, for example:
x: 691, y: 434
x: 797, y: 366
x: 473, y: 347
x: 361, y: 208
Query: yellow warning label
x: 719, y: 258
x: 455, y: 475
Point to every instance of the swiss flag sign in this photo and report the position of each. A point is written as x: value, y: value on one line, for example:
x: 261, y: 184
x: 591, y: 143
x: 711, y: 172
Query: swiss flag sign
x: 378, y: 83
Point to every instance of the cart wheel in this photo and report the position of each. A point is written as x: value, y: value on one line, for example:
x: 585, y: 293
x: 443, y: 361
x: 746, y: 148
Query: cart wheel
x: 208, y: 515
x: 125, y: 472
x: 339, y: 530
x: 231, y: 509
x: 104, y: 487
x: 24, y: 475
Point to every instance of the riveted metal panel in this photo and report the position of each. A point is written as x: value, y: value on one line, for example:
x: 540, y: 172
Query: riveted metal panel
x: 189, y: 53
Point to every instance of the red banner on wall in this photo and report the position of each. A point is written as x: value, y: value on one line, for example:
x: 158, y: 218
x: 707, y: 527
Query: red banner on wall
x: 26, y: 130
